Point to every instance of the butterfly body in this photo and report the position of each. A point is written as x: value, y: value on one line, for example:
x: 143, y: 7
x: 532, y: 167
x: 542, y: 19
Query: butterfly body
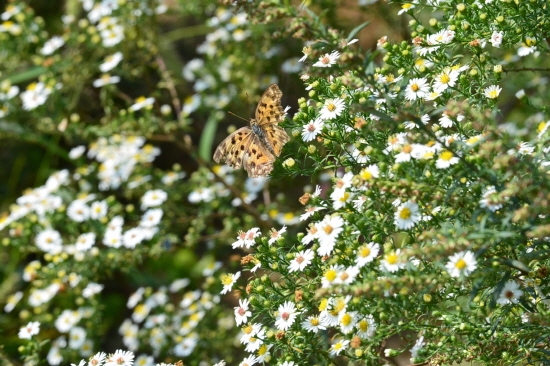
x: 256, y: 146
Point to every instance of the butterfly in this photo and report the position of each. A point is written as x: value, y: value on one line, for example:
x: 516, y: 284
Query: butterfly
x: 257, y: 146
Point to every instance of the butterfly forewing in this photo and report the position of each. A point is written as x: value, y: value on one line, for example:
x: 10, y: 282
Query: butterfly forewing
x: 269, y: 110
x: 232, y: 149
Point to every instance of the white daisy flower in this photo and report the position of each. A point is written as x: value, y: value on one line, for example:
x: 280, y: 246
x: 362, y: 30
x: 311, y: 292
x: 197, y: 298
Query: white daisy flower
x: 328, y: 59
x: 78, y: 211
x: 276, y: 235
x: 366, y: 327
x: 492, y: 92
x: 52, y: 45
x: 77, y: 152
x: 247, y: 239
x: 366, y: 253
x: 496, y: 39
x: 111, y: 62
x: 510, y: 293
x: 309, y: 212
x: 332, y: 108
x: 330, y: 276
x: 338, y: 346
x: 405, y: 8
x: 301, y: 260
x: 461, y: 264
x: 392, y: 261
x: 312, y: 129
x: 85, y: 242
x: 370, y: 172
x: 407, y: 215
x: 49, y: 241
x: 241, y: 312
x: 446, y: 159
x: 228, y: 281
x: 417, y: 88
x: 141, y: 102
x: 286, y: 315
x: 327, y: 232
x: 347, y: 321
x: 446, y: 79
x: 153, y: 198
x: 120, y: 358
x: 33, y: 328
x: 314, y: 324
x: 106, y: 79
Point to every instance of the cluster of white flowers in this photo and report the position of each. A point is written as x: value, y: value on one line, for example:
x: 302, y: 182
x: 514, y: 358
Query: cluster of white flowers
x: 119, y: 156
x: 150, y: 324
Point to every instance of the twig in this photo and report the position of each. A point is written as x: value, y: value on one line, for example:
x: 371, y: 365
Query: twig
x: 170, y: 86
x: 527, y: 69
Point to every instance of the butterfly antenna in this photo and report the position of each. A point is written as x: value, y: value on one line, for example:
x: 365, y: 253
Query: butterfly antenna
x: 237, y: 116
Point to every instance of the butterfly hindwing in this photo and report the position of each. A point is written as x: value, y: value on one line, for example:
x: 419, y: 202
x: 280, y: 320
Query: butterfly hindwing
x: 276, y: 136
x: 232, y: 149
x: 269, y: 109
x: 258, y: 161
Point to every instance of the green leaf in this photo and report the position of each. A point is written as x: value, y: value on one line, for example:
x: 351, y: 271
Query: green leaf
x: 357, y: 30
x: 207, y: 138
x: 27, y: 75
x: 382, y: 116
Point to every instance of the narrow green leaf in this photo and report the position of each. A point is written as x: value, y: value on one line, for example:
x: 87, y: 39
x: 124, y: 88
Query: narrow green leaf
x: 27, y: 75
x: 207, y: 138
x: 357, y: 30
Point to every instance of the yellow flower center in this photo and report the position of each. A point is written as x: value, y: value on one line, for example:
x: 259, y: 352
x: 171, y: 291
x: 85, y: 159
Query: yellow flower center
x: 391, y: 258
x: 444, y: 79
x: 340, y: 305
x: 364, y: 252
x: 365, y: 174
x: 331, y: 107
x: 227, y: 279
x: 414, y: 87
x: 314, y: 322
x: 328, y: 229
x: 330, y: 275
x: 407, y: 149
x: 346, y: 320
x: 405, y: 213
x: 446, y: 155
x: 460, y: 264
x: 344, y: 198
x: 363, y: 325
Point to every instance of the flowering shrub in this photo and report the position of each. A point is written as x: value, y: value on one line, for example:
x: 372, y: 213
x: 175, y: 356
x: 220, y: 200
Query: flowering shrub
x: 406, y: 221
